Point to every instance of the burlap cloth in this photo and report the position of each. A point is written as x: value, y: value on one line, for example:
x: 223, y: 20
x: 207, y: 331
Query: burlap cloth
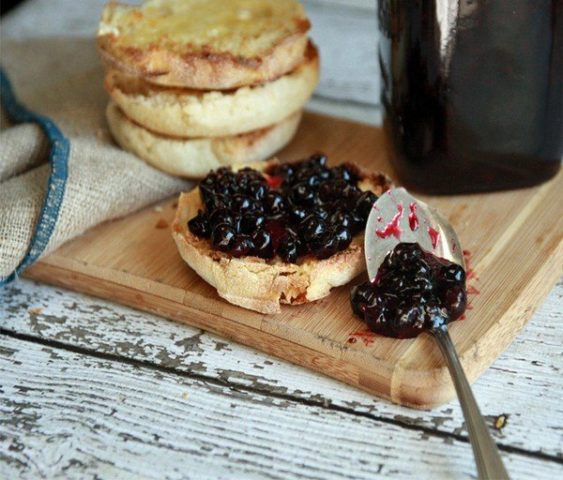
x: 63, y: 80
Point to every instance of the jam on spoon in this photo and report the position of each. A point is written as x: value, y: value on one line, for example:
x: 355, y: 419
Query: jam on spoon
x: 413, y: 289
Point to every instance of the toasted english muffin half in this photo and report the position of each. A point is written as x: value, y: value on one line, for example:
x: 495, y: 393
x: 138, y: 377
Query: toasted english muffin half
x: 196, y: 113
x: 195, y: 157
x: 263, y: 285
x: 204, y: 44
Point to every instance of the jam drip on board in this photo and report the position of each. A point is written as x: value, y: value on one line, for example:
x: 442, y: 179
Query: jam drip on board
x: 289, y: 211
x: 367, y: 337
x: 412, y: 290
x: 472, y: 277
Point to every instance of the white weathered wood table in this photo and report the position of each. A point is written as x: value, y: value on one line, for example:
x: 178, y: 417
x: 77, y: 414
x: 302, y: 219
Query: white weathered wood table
x: 90, y: 389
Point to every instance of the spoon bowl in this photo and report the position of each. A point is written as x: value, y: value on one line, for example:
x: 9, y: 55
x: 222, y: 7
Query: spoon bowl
x: 398, y: 217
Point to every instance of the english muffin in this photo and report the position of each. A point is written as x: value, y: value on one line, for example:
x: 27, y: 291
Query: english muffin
x: 197, y: 113
x: 237, y: 233
x: 195, y: 157
x: 204, y: 44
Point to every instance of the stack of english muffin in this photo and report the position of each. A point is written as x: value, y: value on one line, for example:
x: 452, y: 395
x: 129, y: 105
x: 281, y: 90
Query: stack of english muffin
x: 198, y: 84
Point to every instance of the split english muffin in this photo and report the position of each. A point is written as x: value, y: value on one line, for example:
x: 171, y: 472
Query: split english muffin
x: 193, y: 113
x: 195, y: 157
x: 231, y: 251
x: 204, y: 44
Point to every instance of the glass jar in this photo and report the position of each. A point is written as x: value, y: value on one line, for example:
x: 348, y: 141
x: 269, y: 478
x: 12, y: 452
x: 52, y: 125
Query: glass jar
x: 472, y: 92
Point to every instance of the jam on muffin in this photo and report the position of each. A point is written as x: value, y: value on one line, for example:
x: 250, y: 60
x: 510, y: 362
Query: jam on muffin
x: 288, y: 233
x: 290, y: 211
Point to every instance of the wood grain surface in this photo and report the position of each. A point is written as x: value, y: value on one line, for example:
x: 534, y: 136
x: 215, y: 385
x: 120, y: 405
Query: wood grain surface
x: 195, y: 427
x: 134, y: 262
x: 63, y: 352
x: 68, y: 320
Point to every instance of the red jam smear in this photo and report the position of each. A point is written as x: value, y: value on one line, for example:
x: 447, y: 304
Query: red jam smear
x: 366, y: 336
x: 434, y: 236
x: 274, y: 181
x: 413, y: 218
x: 392, y: 228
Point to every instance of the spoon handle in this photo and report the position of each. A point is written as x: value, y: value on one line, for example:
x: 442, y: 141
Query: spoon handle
x: 487, y: 457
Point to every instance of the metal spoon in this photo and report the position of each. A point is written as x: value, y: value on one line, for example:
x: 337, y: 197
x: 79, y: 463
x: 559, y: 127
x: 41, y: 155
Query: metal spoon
x: 399, y: 217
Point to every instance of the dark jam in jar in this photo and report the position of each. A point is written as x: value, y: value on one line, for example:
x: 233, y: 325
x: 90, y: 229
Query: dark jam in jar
x: 472, y: 92
x: 413, y: 290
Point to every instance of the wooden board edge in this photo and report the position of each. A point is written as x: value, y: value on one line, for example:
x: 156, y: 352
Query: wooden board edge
x: 342, y: 370
x: 142, y: 285
x: 255, y: 338
x: 423, y: 389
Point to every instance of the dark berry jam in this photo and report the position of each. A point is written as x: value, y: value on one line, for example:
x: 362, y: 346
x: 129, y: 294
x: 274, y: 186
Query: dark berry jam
x: 291, y: 210
x: 413, y: 290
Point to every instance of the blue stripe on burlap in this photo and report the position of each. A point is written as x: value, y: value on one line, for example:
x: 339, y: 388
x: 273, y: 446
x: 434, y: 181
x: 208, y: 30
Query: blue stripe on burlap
x: 59, y: 148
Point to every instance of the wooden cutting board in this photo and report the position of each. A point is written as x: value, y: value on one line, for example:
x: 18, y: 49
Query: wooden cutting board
x: 514, y: 238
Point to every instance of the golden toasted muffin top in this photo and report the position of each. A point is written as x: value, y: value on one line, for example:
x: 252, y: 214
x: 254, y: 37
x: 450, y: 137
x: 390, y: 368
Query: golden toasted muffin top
x: 243, y: 28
